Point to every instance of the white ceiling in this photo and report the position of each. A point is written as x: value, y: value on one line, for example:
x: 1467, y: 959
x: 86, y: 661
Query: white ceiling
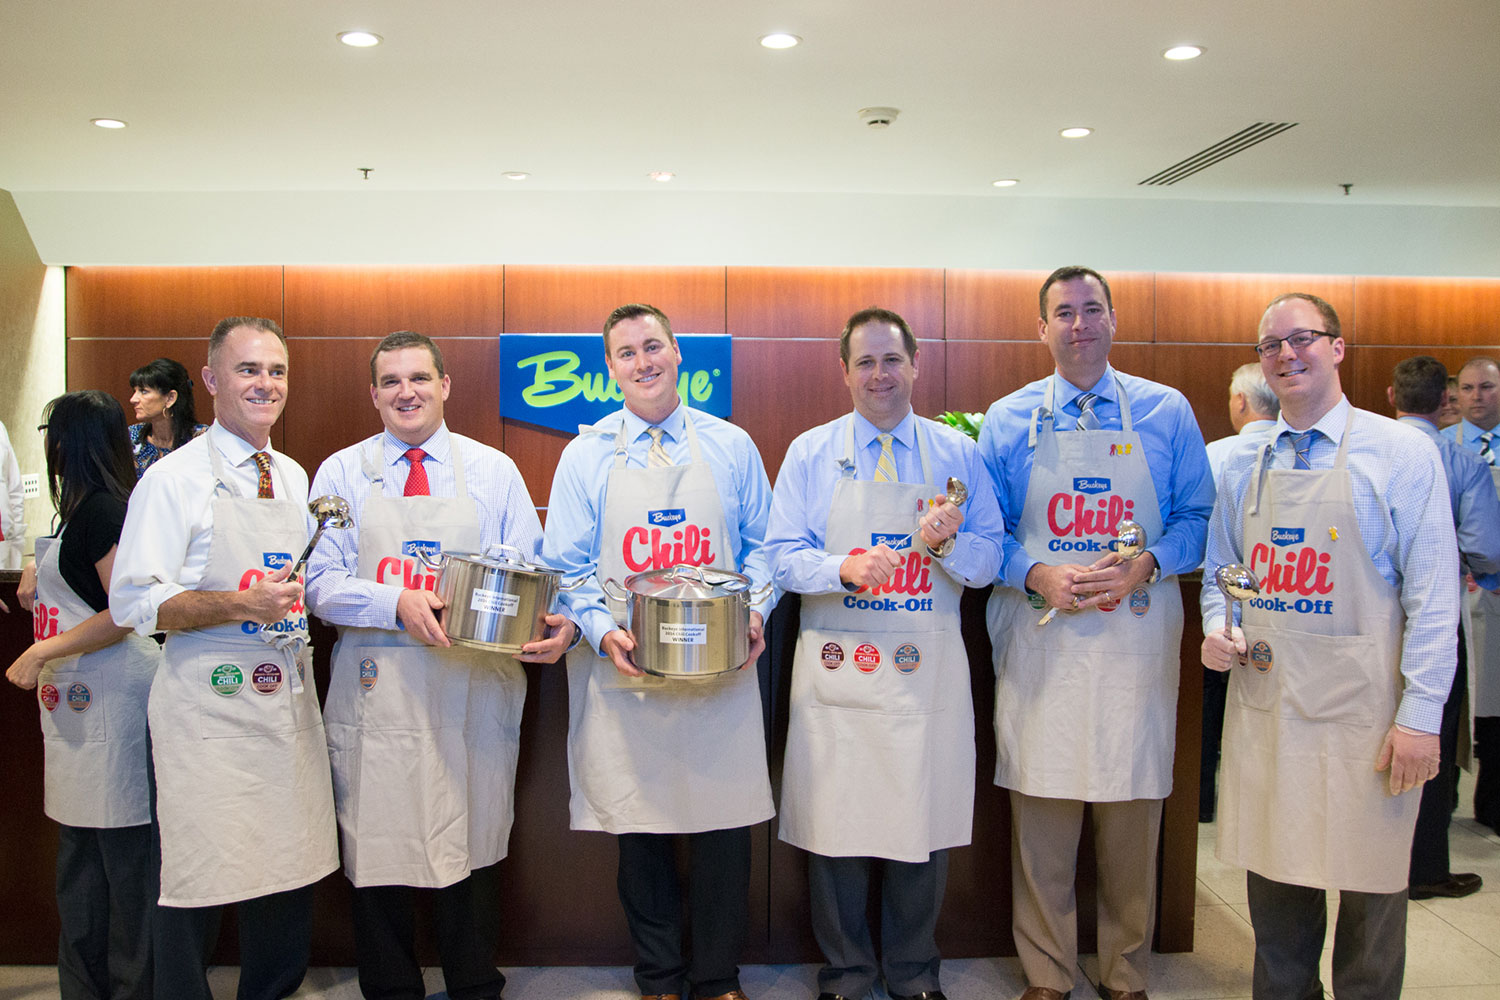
x: 1401, y: 99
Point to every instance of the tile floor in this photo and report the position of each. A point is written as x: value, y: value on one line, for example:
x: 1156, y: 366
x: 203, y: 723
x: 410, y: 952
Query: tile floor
x: 1453, y: 951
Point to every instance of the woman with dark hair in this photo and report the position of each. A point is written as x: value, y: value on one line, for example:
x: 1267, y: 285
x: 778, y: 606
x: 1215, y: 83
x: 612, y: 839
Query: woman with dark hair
x: 163, y: 401
x: 92, y: 679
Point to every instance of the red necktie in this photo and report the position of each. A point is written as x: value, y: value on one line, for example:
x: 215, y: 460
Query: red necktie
x: 416, y: 476
x: 263, y: 488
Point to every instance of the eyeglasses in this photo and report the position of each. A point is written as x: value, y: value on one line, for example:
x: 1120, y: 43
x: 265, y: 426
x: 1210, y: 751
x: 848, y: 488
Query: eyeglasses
x: 1300, y: 341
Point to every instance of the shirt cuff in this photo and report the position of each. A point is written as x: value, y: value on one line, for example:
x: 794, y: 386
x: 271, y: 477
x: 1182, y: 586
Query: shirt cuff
x: 1420, y: 714
x: 143, y: 614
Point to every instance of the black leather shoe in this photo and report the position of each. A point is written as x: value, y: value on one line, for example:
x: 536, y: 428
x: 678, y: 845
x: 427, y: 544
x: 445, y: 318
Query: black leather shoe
x: 1455, y: 886
x: 924, y: 995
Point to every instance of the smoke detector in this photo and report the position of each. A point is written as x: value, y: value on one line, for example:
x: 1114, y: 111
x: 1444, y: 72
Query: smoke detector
x: 878, y: 117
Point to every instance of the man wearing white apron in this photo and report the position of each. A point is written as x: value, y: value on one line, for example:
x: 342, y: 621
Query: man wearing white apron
x: 1341, y: 669
x: 1086, y: 705
x: 1418, y: 387
x: 1479, y: 432
x: 648, y: 756
x: 879, y: 772
x: 244, y: 799
x: 402, y: 692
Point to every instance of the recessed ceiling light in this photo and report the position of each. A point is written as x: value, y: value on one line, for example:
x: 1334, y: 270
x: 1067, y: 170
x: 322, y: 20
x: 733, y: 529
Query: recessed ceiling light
x: 661, y: 176
x: 107, y: 122
x: 360, y: 39
x: 1180, y: 52
x: 1076, y: 132
x: 516, y: 175
x: 1006, y: 182
x: 780, y: 40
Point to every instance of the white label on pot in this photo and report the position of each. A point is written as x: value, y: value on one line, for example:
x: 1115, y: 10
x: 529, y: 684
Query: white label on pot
x: 683, y: 634
x: 493, y: 602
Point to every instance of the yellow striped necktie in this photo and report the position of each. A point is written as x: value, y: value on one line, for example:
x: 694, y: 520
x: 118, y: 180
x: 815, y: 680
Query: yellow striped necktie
x: 885, y: 468
x: 657, y: 457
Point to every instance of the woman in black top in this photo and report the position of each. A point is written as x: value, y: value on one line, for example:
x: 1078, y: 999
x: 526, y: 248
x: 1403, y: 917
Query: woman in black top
x: 163, y: 401
x: 92, y: 679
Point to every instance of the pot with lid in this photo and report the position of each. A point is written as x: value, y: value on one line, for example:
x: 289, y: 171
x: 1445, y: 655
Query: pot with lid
x: 495, y: 600
x: 688, y: 621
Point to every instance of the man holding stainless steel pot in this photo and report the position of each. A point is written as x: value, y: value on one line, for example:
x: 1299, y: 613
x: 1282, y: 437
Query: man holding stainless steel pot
x: 423, y: 735
x: 879, y: 776
x: 653, y: 756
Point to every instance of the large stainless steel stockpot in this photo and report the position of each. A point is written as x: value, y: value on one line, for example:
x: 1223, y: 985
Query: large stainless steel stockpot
x: 688, y: 621
x: 495, y: 600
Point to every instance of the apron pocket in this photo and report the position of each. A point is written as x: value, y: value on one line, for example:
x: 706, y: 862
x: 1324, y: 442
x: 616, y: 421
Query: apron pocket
x: 1302, y: 675
x: 247, y: 695
x: 894, y: 674
x: 76, y: 704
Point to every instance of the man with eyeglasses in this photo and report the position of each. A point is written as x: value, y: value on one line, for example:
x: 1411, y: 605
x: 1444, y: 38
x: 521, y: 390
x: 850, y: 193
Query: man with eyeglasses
x: 1339, y: 669
x: 1479, y: 431
x: 1086, y: 704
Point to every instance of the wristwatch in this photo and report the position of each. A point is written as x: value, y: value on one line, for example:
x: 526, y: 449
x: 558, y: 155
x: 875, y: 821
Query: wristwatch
x: 941, y: 552
x: 1155, y: 572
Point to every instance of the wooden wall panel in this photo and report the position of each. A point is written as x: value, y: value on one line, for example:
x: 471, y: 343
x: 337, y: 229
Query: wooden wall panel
x: 578, y: 299
x: 1202, y: 373
x: 536, y: 451
x: 816, y: 302
x: 783, y: 387
x: 375, y: 301
x: 167, y: 301
x: 328, y: 398
x: 107, y: 363
x: 1427, y: 311
x: 1226, y: 308
x: 1002, y: 305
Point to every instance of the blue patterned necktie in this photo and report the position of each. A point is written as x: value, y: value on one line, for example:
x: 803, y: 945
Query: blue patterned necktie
x: 1485, y: 451
x: 1302, y: 448
x: 1088, y: 420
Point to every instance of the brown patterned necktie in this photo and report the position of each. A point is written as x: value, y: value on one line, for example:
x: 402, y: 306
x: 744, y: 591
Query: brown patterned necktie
x: 263, y: 488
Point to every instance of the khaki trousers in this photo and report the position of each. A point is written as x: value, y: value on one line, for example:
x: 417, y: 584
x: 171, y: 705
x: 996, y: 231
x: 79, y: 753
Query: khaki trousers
x: 1044, y: 906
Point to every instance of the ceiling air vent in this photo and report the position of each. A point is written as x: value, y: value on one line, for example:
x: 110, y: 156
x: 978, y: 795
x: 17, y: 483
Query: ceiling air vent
x: 1223, y: 149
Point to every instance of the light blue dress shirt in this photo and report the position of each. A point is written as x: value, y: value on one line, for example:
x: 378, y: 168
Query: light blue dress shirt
x: 1174, y: 455
x: 1405, y: 520
x: 804, y: 491
x: 1471, y: 435
x: 575, y: 512
x: 506, y: 515
x: 1476, y: 508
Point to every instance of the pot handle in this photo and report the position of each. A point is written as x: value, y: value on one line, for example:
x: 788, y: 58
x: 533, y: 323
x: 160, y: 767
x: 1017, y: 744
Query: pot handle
x: 760, y: 592
x: 623, y: 595
x: 431, y: 563
x: 509, y: 552
x: 570, y: 585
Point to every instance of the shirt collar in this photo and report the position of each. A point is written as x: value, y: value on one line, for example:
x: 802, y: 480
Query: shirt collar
x: 1105, y: 388
x: 866, y: 432
x: 236, y: 449
x: 1330, y: 424
x: 675, y: 425
x: 1257, y: 426
x: 439, y: 447
x: 1472, y: 431
x: 1423, y: 424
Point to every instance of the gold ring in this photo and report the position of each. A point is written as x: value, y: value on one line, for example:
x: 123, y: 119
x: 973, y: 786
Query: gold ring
x: 1075, y: 602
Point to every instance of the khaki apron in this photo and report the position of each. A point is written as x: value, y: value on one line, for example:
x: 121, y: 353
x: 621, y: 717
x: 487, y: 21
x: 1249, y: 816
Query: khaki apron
x: 423, y: 740
x: 663, y: 755
x: 1481, y: 616
x: 1086, y: 706
x: 243, y: 793
x: 93, y: 709
x: 880, y: 748
x: 1300, y: 800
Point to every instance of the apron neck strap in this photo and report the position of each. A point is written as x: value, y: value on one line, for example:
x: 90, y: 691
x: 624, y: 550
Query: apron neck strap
x: 846, y: 463
x: 374, y: 468
x: 1263, y: 460
x: 216, y: 463
x: 622, y: 446
x: 1048, y: 409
